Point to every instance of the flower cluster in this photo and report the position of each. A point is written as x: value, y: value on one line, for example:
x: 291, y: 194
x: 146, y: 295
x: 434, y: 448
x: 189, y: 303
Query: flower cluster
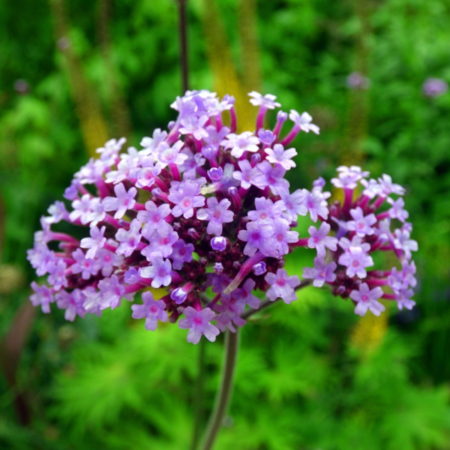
x: 206, y: 213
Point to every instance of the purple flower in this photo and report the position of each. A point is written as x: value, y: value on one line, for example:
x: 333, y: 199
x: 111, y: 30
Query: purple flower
x: 81, y: 209
x: 266, y: 210
x: 160, y: 245
x: 266, y: 136
x: 272, y: 177
x: 57, y: 277
x: 246, y: 175
x: 198, y: 323
x: 367, y: 300
x: 282, y: 237
x: 217, y: 214
x: 322, y: 272
x: 72, y: 302
x: 349, y: 177
x: 111, y: 293
x: 256, y: 235
x: 219, y: 243
x: 95, y: 242
x: 186, y: 196
x: 86, y: 266
x: 356, y: 260
x: 434, y: 87
x: 361, y: 224
x: 159, y: 272
x: 404, y: 299
x: 267, y: 101
x: 259, y: 268
x: 303, y: 122
x: 153, y: 219
x: 282, y: 286
x: 402, y: 279
x: 181, y: 253
x: 358, y: 81
x: 244, y: 295
x: 319, y: 239
x: 129, y: 239
x: 43, y: 296
x: 397, y: 211
x: 122, y: 202
x: 316, y: 205
x: 152, y: 310
x: 241, y: 143
x: 278, y: 155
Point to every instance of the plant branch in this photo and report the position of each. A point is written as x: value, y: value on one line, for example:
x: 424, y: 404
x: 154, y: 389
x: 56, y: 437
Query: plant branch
x: 224, y: 394
x: 266, y: 303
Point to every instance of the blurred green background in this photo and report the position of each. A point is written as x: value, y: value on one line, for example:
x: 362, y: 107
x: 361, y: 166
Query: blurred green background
x: 310, y: 376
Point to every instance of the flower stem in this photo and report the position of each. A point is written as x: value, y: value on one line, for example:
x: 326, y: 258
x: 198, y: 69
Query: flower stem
x: 182, y: 27
x: 199, y: 395
x: 224, y: 394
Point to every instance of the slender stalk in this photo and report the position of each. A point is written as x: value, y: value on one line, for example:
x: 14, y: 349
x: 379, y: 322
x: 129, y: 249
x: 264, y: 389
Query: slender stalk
x: 182, y: 27
x: 199, y: 393
x: 224, y: 394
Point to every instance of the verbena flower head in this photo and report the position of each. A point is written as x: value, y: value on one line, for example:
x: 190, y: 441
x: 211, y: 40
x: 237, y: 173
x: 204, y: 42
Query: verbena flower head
x: 434, y: 87
x: 207, y: 214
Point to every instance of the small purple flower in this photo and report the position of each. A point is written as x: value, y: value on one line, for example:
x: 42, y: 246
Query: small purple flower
x: 434, y: 87
x: 198, y: 323
x: 122, y: 202
x: 404, y: 299
x: 361, y: 225
x: 266, y: 210
x: 367, y: 300
x: 57, y: 277
x: 159, y: 272
x: 397, y: 211
x: 322, y: 272
x: 161, y: 245
x: 319, y: 239
x: 181, y: 253
x: 186, y: 196
x: 388, y: 187
x: 81, y: 209
x: 72, y: 302
x: 266, y: 136
x: 129, y: 239
x: 303, y: 122
x: 282, y: 286
x: 43, y: 296
x: 402, y: 279
x: 217, y: 214
x: 152, y: 310
x: 356, y: 260
x: 111, y: 293
x: 244, y: 295
x: 272, y: 177
x: 278, y: 155
x: 259, y: 268
x: 267, y: 101
x: 86, y: 266
x: 256, y: 235
x: 153, y: 219
x: 349, y: 177
x: 246, y: 175
x: 95, y: 242
x: 316, y: 205
x: 241, y: 143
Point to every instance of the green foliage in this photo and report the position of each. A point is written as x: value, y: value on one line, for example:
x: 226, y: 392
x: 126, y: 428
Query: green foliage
x: 302, y: 381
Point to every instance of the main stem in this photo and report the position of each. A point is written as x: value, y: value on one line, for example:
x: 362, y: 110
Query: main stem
x: 224, y: 394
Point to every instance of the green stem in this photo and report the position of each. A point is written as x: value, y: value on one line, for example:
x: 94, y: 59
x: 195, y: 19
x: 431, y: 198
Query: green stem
x: 199, y: 394
x: 224, y: 394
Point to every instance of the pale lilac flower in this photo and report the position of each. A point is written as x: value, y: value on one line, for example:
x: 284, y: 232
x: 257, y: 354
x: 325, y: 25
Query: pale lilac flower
x: 402, y: 279
x: 403, y: 242
x: 266, y: 210
x: 282, y: 286
x: 81, y: 209
x: 303, y: 122
x: 122, y: 202
x: 186, y: 196
x: 358, y: 81
x: 95, y: 242
x: 316, y: 205
x: 244, y: 296
x: 322, y: 272
x: 434, y: 87
x: 349, y: 177
x: 159, y: 272
x: 294, y: 203
x: 152, y: 310
x: 361, y: 224
x: 198, y: 323
x: 397, y: 211
x: 282, y: 237
x: 153, y: 219
x: 57, y: 213
x: 266, y: 136
x: 129, y: 239
x: 272, y: 177
x: 57, y: 274
x: 356, y: 260
x: 256, y: 235
x: 267, y: 101
x: 278, y: 155
x: 111, y: 293
x: 181, y: 253
x: 172, y: 155
x: 241, y: 143
x: 217, y: 214
x: 160, y: 244
x: 404, y: 299
x: 97, y: 213
x: 72, y: 302
x: 42, y: 297
x: 194, y: 125
x: 246, y: 175
x: 388, y: 187
x: 151, y: 144
x: 319, y: 239
x: 367, y: 300
x: 86, y: 266
x: 107, y: 261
